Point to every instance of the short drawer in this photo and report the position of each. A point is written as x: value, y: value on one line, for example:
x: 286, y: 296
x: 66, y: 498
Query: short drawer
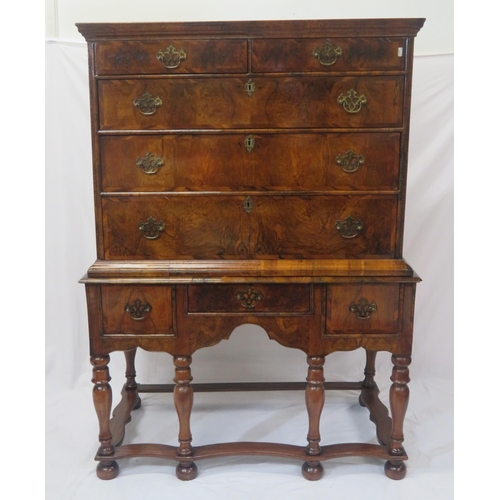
x: 233, y: 162
x: 259, y: 102
x: 137, y: 310
x: 247, y: 227
x: 250, y: 299
x: 328, y: 54
x: 353, y: 309
x: 169, y: 56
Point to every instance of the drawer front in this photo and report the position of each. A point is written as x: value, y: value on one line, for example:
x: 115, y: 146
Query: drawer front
x: 239, y: 227
x: 171, y: 56
x: 137, y: 310
x: 335, y: 54
x: 232, y: 162
x: 353, y: 309
x: 209, y: 103
x: 252, y: 299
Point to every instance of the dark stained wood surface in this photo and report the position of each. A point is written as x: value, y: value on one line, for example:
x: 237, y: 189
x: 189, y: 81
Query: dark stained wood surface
x: 201, y: 56
x: 357, y: 54
x: 287, y: 161
x: 287, y: 102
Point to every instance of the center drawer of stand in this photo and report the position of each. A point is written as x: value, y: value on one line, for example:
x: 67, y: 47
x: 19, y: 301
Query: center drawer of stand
x: 250, y: 298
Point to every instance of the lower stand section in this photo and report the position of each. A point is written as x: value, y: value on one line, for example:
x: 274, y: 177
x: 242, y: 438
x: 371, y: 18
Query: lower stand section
x: 389, y: 431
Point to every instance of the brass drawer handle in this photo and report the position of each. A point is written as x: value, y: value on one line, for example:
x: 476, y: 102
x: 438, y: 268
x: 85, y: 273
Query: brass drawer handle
x: 349, y: 228
x: 249, y: 143
x: 363, y: 309
x: 152, y: 228
x: 138, y: 310
x: 249, y: 297
x: 352, y: 102
x: 150, y: 163
x: 170, y: 57
x: 250, y: 87
x: 328, y: 54
x: 147, y: 104
x: 350, y: 162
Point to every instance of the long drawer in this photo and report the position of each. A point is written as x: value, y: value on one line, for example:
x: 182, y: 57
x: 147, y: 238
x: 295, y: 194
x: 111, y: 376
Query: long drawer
x: 260, y: 102
x: 239, y: 227
x: 232, y: 162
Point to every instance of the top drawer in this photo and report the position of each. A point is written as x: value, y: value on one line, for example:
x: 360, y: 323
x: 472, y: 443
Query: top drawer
x: 331, y: 55
x: 171, y: 56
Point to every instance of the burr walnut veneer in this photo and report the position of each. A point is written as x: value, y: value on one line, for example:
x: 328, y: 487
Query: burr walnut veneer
x: 251, y: 172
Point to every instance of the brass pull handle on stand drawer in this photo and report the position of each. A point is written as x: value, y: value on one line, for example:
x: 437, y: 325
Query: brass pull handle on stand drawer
x: 138, y: 309
x: 350, y: 162
x: 249, y: 297
x: 328, y: 54
x: 171, y: 58
x: 352, y: 102
x: 349, y: 228
x: 363, y: 309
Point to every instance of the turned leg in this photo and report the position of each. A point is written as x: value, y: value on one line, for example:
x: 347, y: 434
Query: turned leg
x: 315, y: 399
x: 369, y: 380
x: 131, y: 384
x: 183, y: 401
x: 398, y: 397
x: 106, y: 469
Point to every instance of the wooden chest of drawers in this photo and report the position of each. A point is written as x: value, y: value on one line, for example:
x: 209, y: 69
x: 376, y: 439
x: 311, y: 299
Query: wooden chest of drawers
x: 251, y: 172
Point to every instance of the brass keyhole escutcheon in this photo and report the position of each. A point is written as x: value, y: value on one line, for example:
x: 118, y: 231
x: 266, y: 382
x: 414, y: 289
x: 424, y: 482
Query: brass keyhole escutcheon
x: 249, y: 143
x: 248, y: 204
x: 250, y: 87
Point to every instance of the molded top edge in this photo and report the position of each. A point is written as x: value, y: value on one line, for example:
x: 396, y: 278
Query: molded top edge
x: 254, y: 29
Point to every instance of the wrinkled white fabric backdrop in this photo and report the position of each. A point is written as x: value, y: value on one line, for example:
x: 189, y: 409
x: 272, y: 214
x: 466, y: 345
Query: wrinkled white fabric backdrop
x: 71, y: 424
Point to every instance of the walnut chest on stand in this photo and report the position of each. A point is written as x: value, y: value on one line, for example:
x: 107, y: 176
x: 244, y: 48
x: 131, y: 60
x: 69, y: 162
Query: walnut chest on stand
x: 251, y: 172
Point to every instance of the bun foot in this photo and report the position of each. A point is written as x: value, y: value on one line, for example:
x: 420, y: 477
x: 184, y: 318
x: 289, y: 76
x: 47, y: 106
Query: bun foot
x: 186, y: 472
x: 137, y: 404
x: 312, y: 471
x: 395, y: 470
x: 107, y: 470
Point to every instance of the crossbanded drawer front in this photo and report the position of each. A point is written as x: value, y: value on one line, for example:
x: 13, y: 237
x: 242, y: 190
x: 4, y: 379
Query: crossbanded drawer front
x: 232, y: 162
x: 352, y: 309
x: 246, y: 227
x: 243, y: 299
x: 260, y: 102
x: 134, y: 310
x: 171, y: 56
x: 328, y: 54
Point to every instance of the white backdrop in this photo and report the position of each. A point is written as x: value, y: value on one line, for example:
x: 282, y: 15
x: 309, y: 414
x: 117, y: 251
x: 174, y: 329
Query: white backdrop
x: 71, y: 423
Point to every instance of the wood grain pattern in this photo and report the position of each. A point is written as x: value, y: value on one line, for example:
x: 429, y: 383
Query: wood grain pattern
x: 341, y: 320
x: 211, y: 103
x: 358, y: 54
x: 202, y: 56
x: 206, y: 227
x: 116, y: 321
x: 200, y: 162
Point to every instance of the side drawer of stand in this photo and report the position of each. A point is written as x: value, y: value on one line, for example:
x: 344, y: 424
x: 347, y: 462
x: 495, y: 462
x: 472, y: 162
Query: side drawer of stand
x: 137, y: 310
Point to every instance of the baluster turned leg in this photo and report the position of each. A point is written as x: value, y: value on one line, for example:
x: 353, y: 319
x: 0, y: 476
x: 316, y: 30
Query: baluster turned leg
x: 398, y: 396
x: 131, y: 384
x: 183, y: 401
x: 106, y: 469
x: 315, y: 399
x: 369, y: 380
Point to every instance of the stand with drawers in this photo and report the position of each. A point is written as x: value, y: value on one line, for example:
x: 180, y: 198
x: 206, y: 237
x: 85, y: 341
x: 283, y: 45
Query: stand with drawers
x: 250, y: 172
